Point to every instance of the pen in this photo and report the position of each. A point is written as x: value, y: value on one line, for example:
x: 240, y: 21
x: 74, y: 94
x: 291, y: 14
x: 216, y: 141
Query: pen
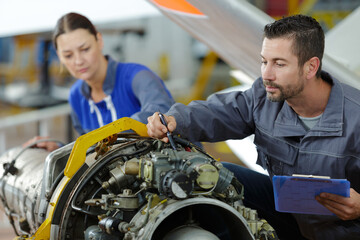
x: 168, y: 133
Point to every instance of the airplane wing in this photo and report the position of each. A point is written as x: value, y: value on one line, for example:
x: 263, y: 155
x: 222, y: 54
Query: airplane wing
x: 342, y: 41
x: 231, y: 29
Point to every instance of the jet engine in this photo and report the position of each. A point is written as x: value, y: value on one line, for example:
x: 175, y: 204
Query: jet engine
x: 109, y: 186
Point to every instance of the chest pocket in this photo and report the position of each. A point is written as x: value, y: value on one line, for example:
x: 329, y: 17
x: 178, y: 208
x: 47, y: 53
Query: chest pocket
x: 278, y: 156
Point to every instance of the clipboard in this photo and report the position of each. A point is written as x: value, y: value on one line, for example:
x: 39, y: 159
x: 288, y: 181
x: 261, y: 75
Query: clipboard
x: 296, y: 194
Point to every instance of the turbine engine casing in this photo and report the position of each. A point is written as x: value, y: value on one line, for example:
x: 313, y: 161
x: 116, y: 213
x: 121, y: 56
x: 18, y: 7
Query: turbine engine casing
x: 140, y: 188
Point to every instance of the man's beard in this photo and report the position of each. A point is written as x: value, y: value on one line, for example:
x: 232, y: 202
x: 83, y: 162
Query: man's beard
x: 286, y: 92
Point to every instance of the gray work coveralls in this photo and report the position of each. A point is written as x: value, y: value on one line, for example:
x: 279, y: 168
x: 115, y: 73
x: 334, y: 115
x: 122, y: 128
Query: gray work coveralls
x: 330, y: 148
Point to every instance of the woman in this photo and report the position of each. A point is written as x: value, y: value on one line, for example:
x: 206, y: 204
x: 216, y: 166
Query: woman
x: 106, y: 90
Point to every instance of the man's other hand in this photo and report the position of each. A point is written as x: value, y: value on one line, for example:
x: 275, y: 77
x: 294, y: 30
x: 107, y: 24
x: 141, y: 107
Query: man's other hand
x: 343, y: 207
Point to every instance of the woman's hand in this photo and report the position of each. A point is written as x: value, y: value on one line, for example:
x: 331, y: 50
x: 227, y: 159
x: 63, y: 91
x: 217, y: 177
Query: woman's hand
x: 47, y: 145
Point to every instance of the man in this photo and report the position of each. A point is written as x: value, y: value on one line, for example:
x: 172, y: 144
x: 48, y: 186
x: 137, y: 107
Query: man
x: 304, y: 122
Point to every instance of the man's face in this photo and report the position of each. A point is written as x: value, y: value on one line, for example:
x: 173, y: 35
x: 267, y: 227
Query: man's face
x: 282, y: 77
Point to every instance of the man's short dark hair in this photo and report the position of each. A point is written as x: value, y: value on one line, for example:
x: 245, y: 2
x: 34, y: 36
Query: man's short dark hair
x: 308, y: 36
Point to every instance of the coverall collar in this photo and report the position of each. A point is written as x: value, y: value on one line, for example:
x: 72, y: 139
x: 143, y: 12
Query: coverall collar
x: 109, y: 81
x: 287, y: 123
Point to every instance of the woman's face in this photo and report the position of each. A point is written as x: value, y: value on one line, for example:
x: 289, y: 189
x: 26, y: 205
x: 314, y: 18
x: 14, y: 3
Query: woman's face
x: 81, y: 53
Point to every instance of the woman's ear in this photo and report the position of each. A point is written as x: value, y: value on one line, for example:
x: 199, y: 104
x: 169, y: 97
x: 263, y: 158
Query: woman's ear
x: 100, y: 40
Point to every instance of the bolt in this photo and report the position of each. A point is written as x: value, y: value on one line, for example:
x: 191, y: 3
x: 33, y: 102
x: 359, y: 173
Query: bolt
x: 105, y: 185
x: 218, y: 165
x: 127, y: 192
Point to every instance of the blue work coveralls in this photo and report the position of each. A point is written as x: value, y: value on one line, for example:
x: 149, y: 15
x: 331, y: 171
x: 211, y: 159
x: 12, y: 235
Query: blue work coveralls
x: 132, y: 90
x: 330, y: 148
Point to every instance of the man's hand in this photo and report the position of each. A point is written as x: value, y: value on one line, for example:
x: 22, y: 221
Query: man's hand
x: 345, y: 208
x: 47, y: 145
x: 157, y: 130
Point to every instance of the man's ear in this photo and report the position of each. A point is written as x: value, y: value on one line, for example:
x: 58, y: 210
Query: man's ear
x: 311, y: 67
